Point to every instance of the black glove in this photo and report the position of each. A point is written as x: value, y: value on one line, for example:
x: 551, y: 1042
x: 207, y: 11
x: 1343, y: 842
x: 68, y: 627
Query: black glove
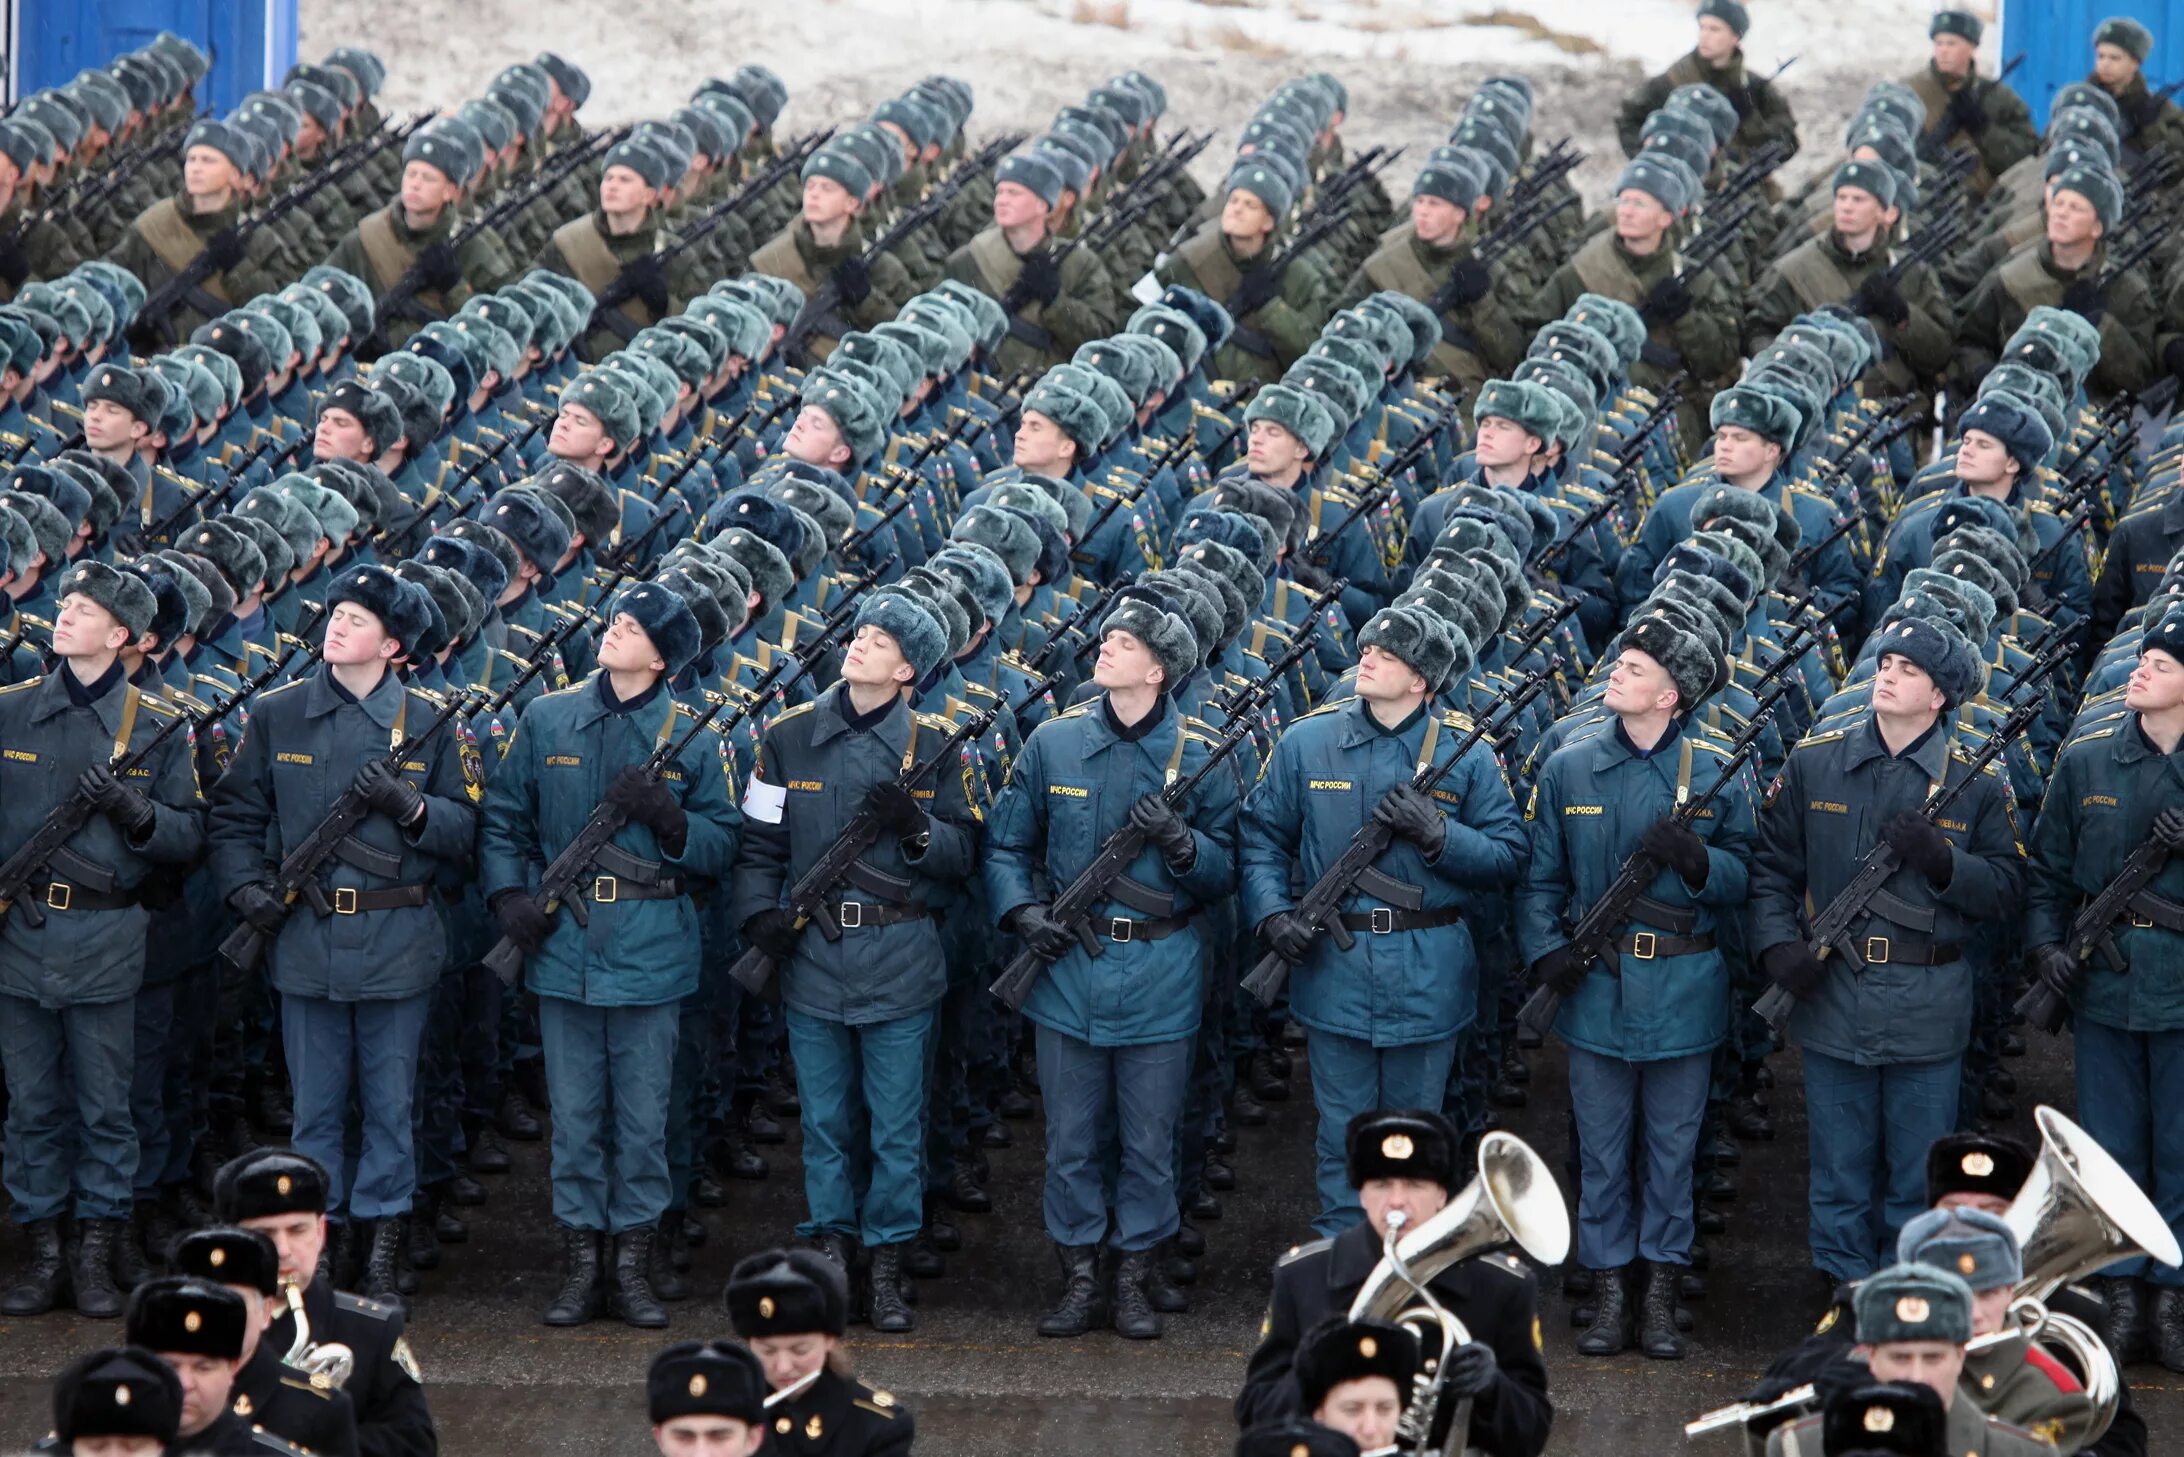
x: 1289, y: 935
x: 1040, y: 282
x: 130, y: 811
x: 1165, y: 831
x: 387, y: 792
x: 2055, y: 969
x: 1678, y: 847
x: 1041, y: 932
x: 1468, y: 282
x: 647, y: 281
x: 1880, y: 298
x: 852, y: 281
x: 257, y: 904
x: 14, y: 266
x: 774, y: 933
x: 1561, y: 971
x: 896, y: 810
x: 649, y: 802
x: 1667, y: 301
x: 2168, y: 828
x: 1965, y: 114
x: 1470, y: 1370
x: 1793, y: 967
x: 2172, y: 357
x: 1259, y: 288
x: 1920, y: 844
x: 225, y: 249
x: 1411, y: 815
x: 437, y: 268
x: 523, y: 921
x: 2086, y: 297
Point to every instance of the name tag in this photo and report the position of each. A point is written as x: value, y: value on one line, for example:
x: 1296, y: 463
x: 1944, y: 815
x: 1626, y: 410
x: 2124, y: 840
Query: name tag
x: 413, y: 767
x: 2107, y: 799
x: 283, y: 758
x: 1958, y: 825
x: 672, y: 774
x: 808, y: 786
x: 1069, y: 791
x: 1583, y: 809
x: 1331, y: 784
x: 1448, y: 796
x: 18, y: 756
x: 922, y: 793
x: 563, y: 761
x: 1830, y: 806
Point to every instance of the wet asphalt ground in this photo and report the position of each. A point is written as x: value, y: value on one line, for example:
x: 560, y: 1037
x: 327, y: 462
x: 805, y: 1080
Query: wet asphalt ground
x: 982, y: 1382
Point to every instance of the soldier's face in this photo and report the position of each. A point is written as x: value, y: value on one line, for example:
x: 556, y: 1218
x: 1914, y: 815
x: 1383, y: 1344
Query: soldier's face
x: 355, y: 636
x: 826, y: 202
x: 1244, y: 216
x: 1017, y: 206
x: 1901, y: 686
x: 578, y: 435
x: 622, y: 191
x: 874, y: 658
x: 1365, y: 1410
x: 1981, y: 459
x: 1990, y: 1310
x: 1639, y: 216
x: 1125, y: 662
x: 1716, y: 40
x: 340, y: 436
x: 1638, y: 684
x: 2113, y: 66
x: 116, y: 1447
x: 1041, y: 446
x: 1953, y: 54
x: 1416, y: 1199
x: 789, y: 1359
x: 1505, y: 443
x: 816, y: 439
x: 1932, y: 1364
x: 627, y: 648
x: 1382, y: 677
x: 85, y: 629
x: 1435, y: 219
x: 107, y: 426
x: 1271, y: 451
x: 206, y: 1381
x: 2071, y: 220
x: 1741, y: 454
x: 1857, y: 212
x: 2157, y: 683
x: 708, y: 1437
x: 207, y: 170
x: 425, y: 188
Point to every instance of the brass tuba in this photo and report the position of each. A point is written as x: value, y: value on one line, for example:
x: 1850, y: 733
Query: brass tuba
x: 328, y: 1365
x: 1513, y: 1199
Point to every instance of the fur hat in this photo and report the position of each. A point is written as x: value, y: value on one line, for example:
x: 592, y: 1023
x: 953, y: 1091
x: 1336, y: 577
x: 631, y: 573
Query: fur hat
x: 2126, y: 35
x: 1302, y: 413
x: 788, y: 1292
x: 1166, y: 635
x: 1893, y: 1419
x: 450, y: 608
x: 1287, y: 1437
x: 1421, y: 641
x: 911, y: 622
x: 1730, y: 503
x: 1968, y: 570
x: 666, y: 619
x: 474, y: 561
x: 771, y: 576
x: 202, y: 587
x: 1228, y: 563
x: 1700, y: 559
x: 171, y: 612
x: 1530, y: 407
x: 1975, y: 1244
x: 1939, y: 650
x: 47, y: 524
x: 240, y: 557
x: 608, y: 398
x: 1692, y: 663
x: 1648, y: 174
x: 1876, y: 178
x: 532, y: 526
x: 1009, y: 535
x: 382, y: 422
x: 2014, y: 423
x: 400, y: 606
x: 983, y: 573
x: 1977, y: 1163
x: 1336, y: 1350
x: 1250, y: 534
x: 179, y: 1315
x: 709, y: 1379
x: 587, y: 497
x: 2098, y: 186
x: 1403, y: 1143
x: 125, y: 595
x: 1913, y: 1303
x: 64, y: 491
x: 1765, y: 415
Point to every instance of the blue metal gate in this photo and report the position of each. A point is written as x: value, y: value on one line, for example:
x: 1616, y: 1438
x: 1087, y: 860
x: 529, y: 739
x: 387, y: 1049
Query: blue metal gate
x: 2056, y: 37
x: 251, y: 42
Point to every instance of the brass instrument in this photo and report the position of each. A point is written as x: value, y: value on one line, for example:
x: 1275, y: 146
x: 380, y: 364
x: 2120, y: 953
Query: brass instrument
x: 793, y: 1390
x: 1512, y: 1199
x: 330, y: 1364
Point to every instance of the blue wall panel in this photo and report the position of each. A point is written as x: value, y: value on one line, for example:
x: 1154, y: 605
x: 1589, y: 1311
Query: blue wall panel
x: 2056, y: 37
x: 58, y: 38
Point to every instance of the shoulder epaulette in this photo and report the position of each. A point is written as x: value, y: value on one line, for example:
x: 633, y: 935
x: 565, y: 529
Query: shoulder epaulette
x: 358, y: 1305
x: 160, y: 707
x: 1458, y: 720
x: 19, y: 687
x: 1078, y: 710
x: 935, y: 721
x: 1298, y: 1252
x: 788, y: 713
x: 2068, y: 744
x: 1814, y: 740
x: 1324, y: 708
x: 881, y: 1404
x: 269, y: 694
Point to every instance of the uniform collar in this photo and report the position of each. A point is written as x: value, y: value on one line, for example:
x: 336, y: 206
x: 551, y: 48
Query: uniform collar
x: 1931, y: 755
x: 1356, y: 1250
x: 53, y: 698
x: 831, y: 720
x: 1360, y: 727
x: 380, y: 705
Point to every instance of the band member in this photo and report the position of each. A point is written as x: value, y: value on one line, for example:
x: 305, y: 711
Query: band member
x: 1356, y: 1377
x: 316, y: 1415
x: 792, y: 1307
x: 709, y: 1398
x: 197, y: 1328
x: 119, y: 1403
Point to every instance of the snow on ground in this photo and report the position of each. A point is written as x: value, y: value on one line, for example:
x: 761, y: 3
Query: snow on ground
x: 1408, y: 63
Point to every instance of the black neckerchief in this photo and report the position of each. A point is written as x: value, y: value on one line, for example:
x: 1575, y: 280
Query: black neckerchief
x: 625, y: 705
x: 1130, y: 733
x: 1675, y: 731
x: 81, y: 695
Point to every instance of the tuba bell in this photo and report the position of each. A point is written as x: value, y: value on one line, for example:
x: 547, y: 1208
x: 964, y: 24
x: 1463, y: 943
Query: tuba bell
x: 327, y: 1365
x: 1512, y: 1199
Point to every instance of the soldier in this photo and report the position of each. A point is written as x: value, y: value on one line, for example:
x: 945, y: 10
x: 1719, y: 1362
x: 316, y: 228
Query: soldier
x: 1642, y: 1024
x: 121, y: 415
x: 1295, y: 1437
x: 415, y: 230
x: 1717, y: 60
x: 1115, y: 1033
x: 1058, y: 296
x: 283, y: 1196
x: 614, y: 245
x: 792, y: 1307
x: 356, y: 965
x: 707, y: 1397
x: 1276, y: 301
x: 1968, y: 112
x: 124, y: 1402
x: 2111, y: 790
x: 71, y: 968
x: 198, y: 1328
x: 860, y: 1011
x: 823, y: 250
x: 315, y: 1415
x: 1382, y: 1017
x: 610, y: 975
x: 2145, y: 122
x: 1356, y: 1378
x: 166, y: 237
x: 1884, y: 1020
x: 1408, y: 1161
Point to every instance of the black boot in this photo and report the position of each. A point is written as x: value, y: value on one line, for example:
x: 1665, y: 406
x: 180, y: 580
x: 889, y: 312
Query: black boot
x: 1179, y: 1268
x: 921, y: 1260
x: 487, y: 1154
x: 385, y: 1268
x: 890, y: 1311
x: 2169, y: 1327
x: 940, y: 1231
x: 994, y: 1135
x: 1080, y: 1308
x: 345, y: 1255
x: 463, y: 1190
x: 631, y: 1297
x: 1160, y: 1291
x: 1657, y: 1335
x: 760, y: 1125
x: 1609, y: 1333
x: 1246, y: 1109
x: 1265, y: 1085
x: 966, y: 1193
x: 1219, y: 1176
x: 1135, y: 1316
x: 2124, y: 1328
x: 131, y: 1266
x: 423, y: 1236
x: 737, y: 1159
x: 93, y: 1275
x: 189, y: 1208
x: 1014, y: 1104
x: 1190, y: 1240
x: 707, y: 1191
x: 448, y: 1226
x: 671, y: 1256
x: 578, y: 1299
x: 159, y: 1230
x: 1749, y: 1118
x: 45, y: 1273
x: 516, y: 1121
x: 837, y: 1248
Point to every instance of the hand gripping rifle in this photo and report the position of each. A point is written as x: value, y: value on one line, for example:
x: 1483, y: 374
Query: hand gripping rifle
x: 1830, y: 929
x: 1321, y: 904
x: 1594, y: 936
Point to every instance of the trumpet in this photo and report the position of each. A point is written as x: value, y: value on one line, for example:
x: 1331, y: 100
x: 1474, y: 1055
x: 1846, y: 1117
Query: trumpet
x: 330, y: 1364
x: 1512, y: 1199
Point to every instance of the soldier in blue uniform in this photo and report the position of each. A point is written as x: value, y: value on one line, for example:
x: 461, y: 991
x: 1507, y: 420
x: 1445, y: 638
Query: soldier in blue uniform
x: 611, y: 969
x: 71, y: 965
x: 1641, y: 1027
x: 357, y: 962
x: 1115, y: 1034
x: 792, y: 1308
x: 1382, y: 1017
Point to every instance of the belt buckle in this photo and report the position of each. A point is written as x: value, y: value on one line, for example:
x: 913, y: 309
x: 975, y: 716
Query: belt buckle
x: 1121, y: 928
x: 1383, y: 920
x: 1877, y: 950
x: 1645, y: 945
x: 850, y: 914
x: 345, y: 901
x: 2143, y: 923
x: 58, y: 894
x: 605, y: 889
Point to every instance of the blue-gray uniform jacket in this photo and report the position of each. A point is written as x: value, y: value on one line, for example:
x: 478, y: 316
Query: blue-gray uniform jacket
x: 1595, y: 796
x: 813, y: 770
x: 1835, y: 576
x: 1327, y: 775
x: 1070, y: 790
x: 84, y: 954
x: 1823, y: 811
x: 637, y: 942
x: 2109, y: 783
x: 305, y: 743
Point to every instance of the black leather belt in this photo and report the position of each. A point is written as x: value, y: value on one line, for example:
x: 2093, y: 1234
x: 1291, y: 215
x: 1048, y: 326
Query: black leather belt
x: 866, y: 913
x: 349, y: 902
x: 1386, y: 920
x: 606, y: 890
x: 2148, y: 910
x: 1646, y: 946
x: 1883, y: 951
x: 59, y: 895
x: 1121, y: 929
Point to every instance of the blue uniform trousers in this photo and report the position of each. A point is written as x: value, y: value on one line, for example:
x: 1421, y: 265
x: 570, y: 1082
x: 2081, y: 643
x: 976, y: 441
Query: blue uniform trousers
x: 693, y: 1057
x: 876, y: 1070
x: 1870, y: 1128
x: 373, y: 1047
x: 69, y: 1134
x: 2130, y: 1090
x: 608, y: 1070
x: 438, y: 1111
x: 151, y: 1081
x: 1351, y: 1076
x: 1663, y: 1102
x: 1130, y: 1097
